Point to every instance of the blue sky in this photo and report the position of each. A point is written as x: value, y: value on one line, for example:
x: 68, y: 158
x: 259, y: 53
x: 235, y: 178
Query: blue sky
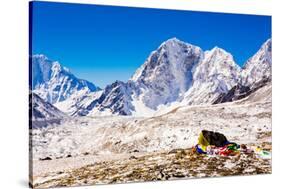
x: 106, y: 43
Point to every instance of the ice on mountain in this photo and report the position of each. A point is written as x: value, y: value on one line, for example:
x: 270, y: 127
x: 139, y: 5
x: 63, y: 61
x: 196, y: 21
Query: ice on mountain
x: 176, y: 73
x: 54, y: 83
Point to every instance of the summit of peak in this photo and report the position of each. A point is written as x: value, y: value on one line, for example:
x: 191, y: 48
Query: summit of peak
x: 39, y: 56
x: 218, y: 52
x: 172, y: 41
x: 217, y: 49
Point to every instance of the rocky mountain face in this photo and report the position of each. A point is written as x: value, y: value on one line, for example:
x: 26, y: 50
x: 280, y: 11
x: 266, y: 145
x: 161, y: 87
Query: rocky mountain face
x: 258, y: 67
x: 175, y: 73
x: 115, y: 99
x: 167, y: 73
x: 217, y: 73
x: 240, y: 91
x: 42, y: 109
x: 54, y: 83
x: 255, y: 74
x: 79, y: 102
x: 162, y: 79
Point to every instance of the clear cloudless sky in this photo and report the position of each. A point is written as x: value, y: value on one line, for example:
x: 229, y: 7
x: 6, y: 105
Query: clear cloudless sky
x: 106, y: 43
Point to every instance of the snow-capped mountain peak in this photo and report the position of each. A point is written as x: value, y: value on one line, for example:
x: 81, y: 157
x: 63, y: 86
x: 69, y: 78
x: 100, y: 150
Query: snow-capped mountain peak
x: 255, y: 75
x: 217, y: 63
x: 218, y: 59
x: 54, y: 83
x: 217, y: 73
x: 115, y: 99
x: 173, y: 43
x: 167, y: 72
x: 258, y: 67
x: 175, y: 74
x: 173, y: 52
x: 217, y: 52
x: 41, y: 70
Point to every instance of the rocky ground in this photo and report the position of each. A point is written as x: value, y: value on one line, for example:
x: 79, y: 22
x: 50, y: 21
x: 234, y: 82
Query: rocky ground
x: 175, y: 164
x: 100, y: 150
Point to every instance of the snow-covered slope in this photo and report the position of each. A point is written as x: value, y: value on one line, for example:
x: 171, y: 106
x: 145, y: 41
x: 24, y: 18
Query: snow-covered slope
x: 167, y: 73
x: 115, y: 99
x: 79, y: 102
x: 217, y: 73
x: 178, y: 73
x: 162, y: 79
x: 255, y: 74
x: 42, y: 110
x: 259, y: 66
x: 245, y: 122
x: 175, y: 74
x: 55, y: 83
x: 240, y: 91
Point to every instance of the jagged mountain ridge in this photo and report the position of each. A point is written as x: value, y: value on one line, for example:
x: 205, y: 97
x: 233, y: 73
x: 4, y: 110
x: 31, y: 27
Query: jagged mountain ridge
x: 167, y: 73
x: 114, y: 99
x: 79, y: 102
x: 259, y: 66
x: 217, y: 73
x: 255, y: 74
x: 42, y: 109
x: 240, y: 91
x: 54, y: 83
x: 175, y: 73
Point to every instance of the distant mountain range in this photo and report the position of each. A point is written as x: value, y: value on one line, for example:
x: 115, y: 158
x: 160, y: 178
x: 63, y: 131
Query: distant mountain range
x: 54, y: 83
x: 177, y: 73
